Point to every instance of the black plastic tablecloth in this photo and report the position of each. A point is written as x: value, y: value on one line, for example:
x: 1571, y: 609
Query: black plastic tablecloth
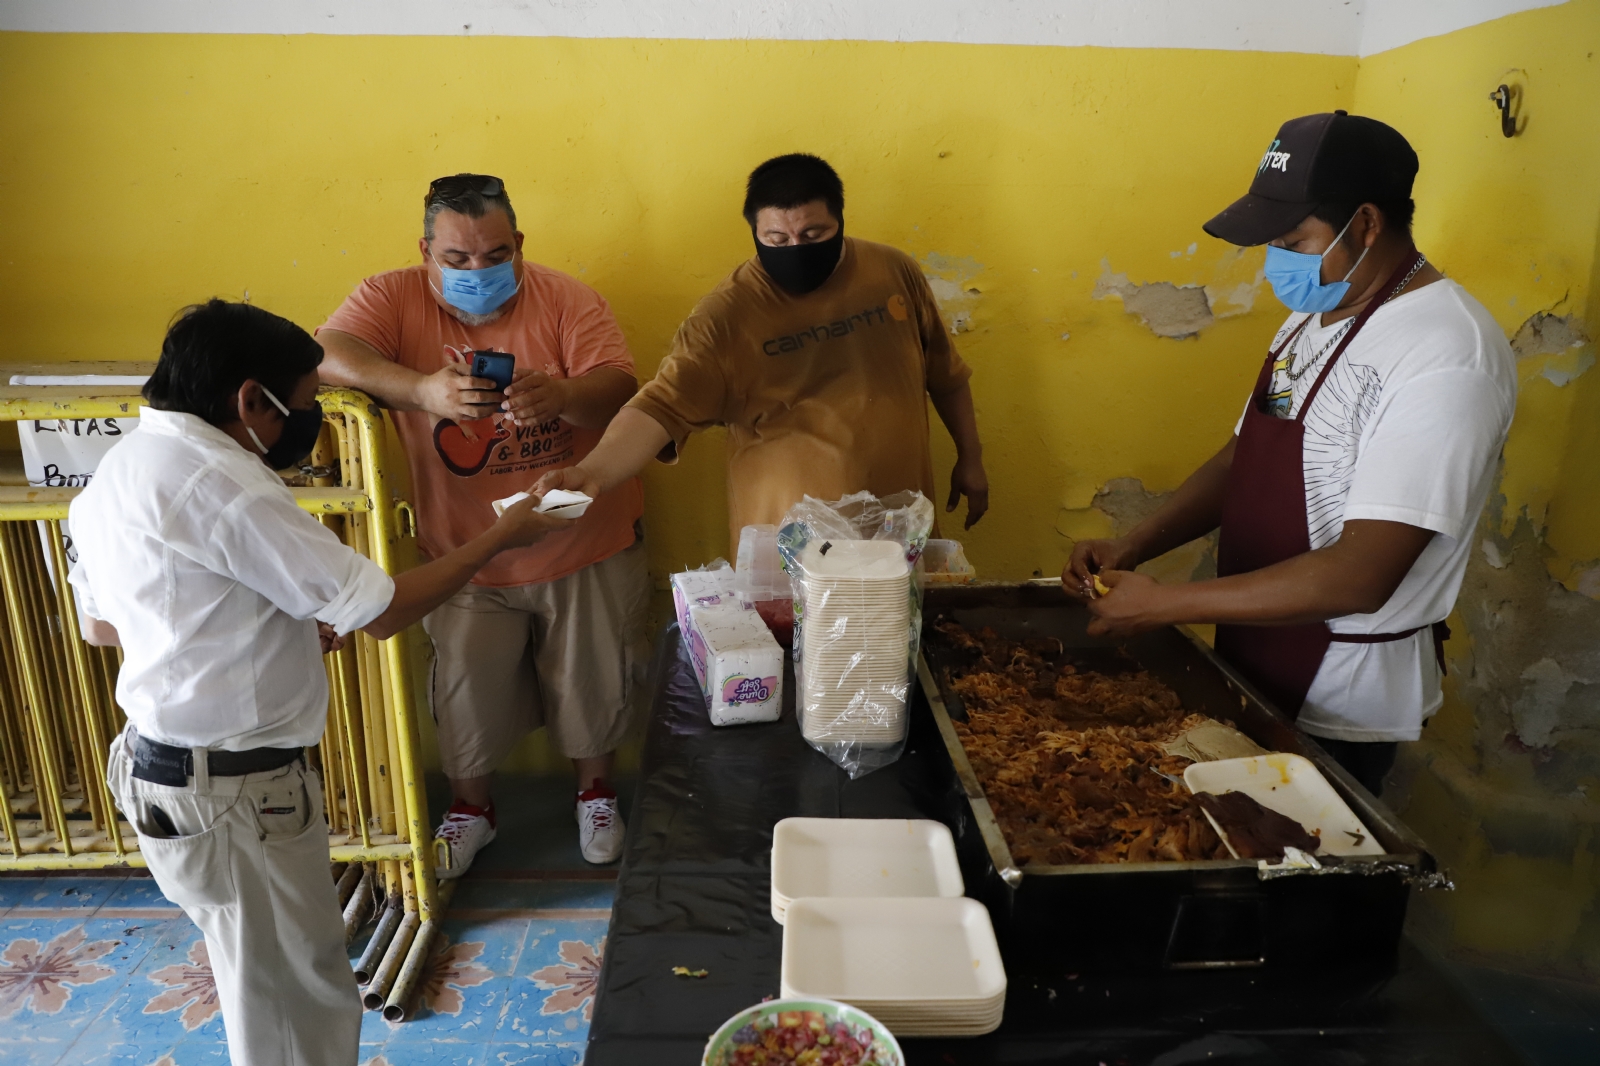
x: 694, y: 891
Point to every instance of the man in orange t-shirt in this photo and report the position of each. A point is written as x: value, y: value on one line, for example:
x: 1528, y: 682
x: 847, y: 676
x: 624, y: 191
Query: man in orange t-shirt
x: 548, y: 634
x: 821, y: 354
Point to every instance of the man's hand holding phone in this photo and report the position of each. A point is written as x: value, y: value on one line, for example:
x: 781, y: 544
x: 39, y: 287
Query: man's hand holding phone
x: 452, y: 392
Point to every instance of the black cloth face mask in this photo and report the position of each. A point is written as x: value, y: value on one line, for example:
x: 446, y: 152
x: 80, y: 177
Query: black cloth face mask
x: 800, y: 268
x: 299, y: 436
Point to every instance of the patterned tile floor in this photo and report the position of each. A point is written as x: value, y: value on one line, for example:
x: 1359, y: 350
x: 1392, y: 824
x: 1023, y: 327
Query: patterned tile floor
x: 100, y: 970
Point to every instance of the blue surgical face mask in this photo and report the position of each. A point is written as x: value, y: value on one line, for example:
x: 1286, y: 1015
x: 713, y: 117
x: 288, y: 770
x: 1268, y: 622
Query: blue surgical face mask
x: 479, y: 292
x: 1296, y: 277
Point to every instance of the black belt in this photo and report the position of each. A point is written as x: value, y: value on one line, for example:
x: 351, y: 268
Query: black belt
x: 166, y: 764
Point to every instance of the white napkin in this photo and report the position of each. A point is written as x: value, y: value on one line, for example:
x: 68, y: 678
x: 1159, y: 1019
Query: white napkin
x: 565, y: 504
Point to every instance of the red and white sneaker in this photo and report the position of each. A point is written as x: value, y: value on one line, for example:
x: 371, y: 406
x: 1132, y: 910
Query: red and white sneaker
x: 465, y: 830
x: 600, y: 825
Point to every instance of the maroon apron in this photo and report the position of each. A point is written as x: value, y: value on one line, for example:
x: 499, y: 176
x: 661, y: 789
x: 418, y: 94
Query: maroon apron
x: 1264, y: 522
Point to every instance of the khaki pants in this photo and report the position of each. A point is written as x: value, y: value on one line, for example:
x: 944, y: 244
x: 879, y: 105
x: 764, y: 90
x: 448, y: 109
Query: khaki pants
x: 567, y: 654
x: 249, y: 866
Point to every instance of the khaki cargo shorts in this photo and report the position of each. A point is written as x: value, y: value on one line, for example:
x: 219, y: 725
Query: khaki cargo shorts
x: 569, y: 654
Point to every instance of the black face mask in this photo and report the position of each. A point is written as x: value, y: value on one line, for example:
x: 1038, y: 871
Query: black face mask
x: 799, y: 268
x: 299, y: 436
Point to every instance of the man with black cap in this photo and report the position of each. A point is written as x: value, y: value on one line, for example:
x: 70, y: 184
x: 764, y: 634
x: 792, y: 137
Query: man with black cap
x: 1348, y: 494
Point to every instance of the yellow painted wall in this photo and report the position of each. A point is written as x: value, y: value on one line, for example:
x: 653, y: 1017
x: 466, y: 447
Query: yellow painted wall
x: 146, y: 172
x: 1518, y: 223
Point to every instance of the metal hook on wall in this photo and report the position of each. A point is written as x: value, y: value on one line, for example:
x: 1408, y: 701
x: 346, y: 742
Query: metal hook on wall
x: 1502, y: 98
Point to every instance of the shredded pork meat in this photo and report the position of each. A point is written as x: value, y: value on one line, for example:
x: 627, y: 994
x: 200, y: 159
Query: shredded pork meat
x: 1071, y: 760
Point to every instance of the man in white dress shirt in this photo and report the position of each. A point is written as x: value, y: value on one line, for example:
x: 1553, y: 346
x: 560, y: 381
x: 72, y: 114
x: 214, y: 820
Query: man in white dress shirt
x: 223, y: 594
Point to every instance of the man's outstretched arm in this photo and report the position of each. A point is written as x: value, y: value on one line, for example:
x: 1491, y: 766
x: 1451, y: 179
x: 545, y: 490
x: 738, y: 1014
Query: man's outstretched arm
x: 630, y: 442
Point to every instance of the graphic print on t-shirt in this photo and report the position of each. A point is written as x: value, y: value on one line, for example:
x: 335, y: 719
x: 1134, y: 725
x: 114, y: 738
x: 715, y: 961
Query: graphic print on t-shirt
x: 894, y: 307
x: 466, y: 448
x: 1334, y: 424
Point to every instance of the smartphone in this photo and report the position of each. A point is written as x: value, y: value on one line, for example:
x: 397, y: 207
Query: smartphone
x: 496, y: 366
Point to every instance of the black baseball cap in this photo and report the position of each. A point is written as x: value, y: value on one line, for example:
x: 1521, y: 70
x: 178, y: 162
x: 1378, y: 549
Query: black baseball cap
x: 1318, y: 159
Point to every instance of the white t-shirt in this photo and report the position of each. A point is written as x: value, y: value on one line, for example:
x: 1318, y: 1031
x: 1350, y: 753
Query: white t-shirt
x: 212, y: 576
x: 1407, y: 428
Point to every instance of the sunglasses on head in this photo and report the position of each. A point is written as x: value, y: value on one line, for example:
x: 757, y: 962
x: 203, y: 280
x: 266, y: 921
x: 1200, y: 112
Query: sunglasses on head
x: 460, y: 184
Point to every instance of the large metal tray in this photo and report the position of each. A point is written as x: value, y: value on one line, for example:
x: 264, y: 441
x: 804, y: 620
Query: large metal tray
x: 1185, y: 915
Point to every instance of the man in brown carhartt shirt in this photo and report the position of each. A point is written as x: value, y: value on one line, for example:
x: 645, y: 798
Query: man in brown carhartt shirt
x: 819, y: 355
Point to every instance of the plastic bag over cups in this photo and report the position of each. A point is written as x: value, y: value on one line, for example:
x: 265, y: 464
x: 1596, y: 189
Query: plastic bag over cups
x: 857, y: 621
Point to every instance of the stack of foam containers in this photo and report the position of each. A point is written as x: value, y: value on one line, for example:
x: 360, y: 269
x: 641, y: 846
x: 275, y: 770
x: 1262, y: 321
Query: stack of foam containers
x: 857, y: 612
x: 873, y: 915
x: 922, y: 967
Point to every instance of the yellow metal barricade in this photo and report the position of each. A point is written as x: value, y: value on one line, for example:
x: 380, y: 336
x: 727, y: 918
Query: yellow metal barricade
x: 58, y: 712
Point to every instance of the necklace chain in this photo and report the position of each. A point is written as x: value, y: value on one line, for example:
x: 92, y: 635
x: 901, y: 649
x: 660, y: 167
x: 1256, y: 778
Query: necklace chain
x: 1398, y: 289
x: 1295, y: 374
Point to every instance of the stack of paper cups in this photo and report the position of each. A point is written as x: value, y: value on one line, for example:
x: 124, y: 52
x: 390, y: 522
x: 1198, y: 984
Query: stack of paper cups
x: 855, y: 663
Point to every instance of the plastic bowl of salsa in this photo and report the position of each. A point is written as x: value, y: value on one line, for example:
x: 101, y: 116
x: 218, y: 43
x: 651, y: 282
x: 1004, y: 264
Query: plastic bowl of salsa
x: 808, y: 1032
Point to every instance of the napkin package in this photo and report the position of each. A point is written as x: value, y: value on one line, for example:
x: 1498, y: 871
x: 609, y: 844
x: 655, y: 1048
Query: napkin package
x: 710, y: 586
x: 739, y: 663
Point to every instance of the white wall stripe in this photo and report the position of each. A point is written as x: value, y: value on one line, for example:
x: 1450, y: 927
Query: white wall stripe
x: 1329, y: 27
x: 1389, y: 24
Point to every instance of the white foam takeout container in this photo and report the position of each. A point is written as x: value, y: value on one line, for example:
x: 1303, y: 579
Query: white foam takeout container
x: 925, y: 966
x: 1292, y: 786
x: 862, y: 857
x: 557, y: 502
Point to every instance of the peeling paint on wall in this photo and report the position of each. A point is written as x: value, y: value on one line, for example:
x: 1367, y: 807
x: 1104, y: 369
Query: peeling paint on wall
x: 1236, y: 281
x: 1562, y: 340
x: 1586, y: 581
x: 954, y: 290
x: 1501, y: 782
x: 1535, y: 664
x: 1168, y: 310
x: 1179, y: 311
x: 1538, y: 709
x: 1126, y: 502
x: 1547, y: 334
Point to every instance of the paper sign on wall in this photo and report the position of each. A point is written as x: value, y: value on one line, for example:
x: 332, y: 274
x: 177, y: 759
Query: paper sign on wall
x: 64, y: 453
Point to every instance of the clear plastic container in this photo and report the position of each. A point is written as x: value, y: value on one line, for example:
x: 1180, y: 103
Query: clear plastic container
x: 944, y: 562
x: 761, y: 583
